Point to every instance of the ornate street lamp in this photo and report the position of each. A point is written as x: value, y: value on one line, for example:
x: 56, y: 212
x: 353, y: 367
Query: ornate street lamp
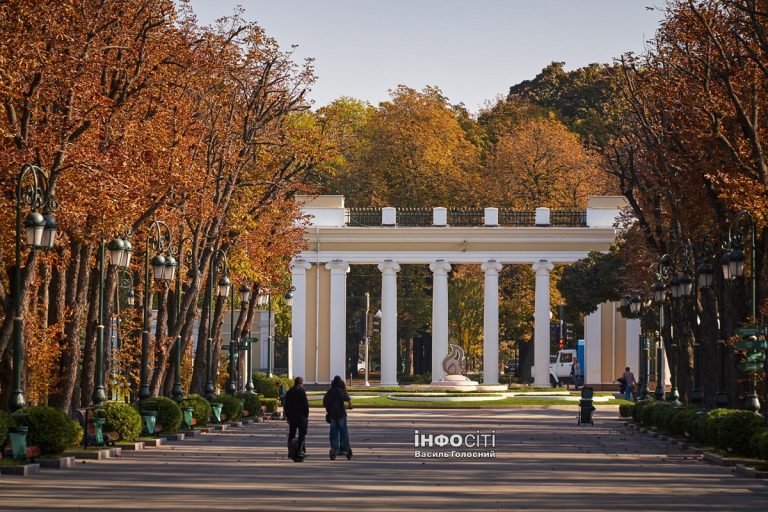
x: 159, y: 238
x: 218, y: 266
x: 32, y: 189
x: 735, y: 270
x: 177, y: 392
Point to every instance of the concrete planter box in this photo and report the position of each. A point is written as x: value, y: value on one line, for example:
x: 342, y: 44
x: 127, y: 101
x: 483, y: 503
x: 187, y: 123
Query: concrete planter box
x: 176, y: 437
x: 132, y: 447
x: 724, y: 461
x: 236, y: 424
x: 751, y: 472
x: 21, y: 470
x: 154, y: 443
x: 220, y: 428
x: 90, y: 454
x: 195, y: 432
x: 247, y: 422
x: 58, y: 463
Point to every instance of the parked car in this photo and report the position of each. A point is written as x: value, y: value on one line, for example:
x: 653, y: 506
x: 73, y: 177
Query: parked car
x: 560, y: 367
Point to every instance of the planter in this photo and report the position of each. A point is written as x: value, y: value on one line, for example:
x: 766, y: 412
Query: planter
x: 751, y: 472
x: 176, y: 437
x: 21, y: 469
x: 132, y: 447
x: 57, y: 463
x: 220, y: 428
x: 154, y: 443
x: 194, y: 432
x: 236, y: 424
x: 102, y: 454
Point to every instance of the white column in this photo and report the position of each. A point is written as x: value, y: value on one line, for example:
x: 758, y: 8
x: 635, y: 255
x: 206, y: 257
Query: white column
x: 440, y: 269
x: 541, y: 326
x: 298, y: 354
x: 389, y: 270
x: 338, y: 305
x: 491, y: 322
x: 633, y: 345
x: 592, y: 367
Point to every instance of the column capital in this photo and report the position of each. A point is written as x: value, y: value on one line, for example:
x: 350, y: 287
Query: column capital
x: 491, y: 267
x: 300, y: 266
x: 389, y: 266
x: 337, y: 266
x: 440, y: 267
x: 543, y: 267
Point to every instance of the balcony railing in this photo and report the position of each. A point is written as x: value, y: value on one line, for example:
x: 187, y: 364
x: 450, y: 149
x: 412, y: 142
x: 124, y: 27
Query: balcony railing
x: 465, y: 217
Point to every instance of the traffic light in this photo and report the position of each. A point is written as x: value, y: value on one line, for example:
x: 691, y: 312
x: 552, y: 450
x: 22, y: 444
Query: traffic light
x: 376, y: 322
x: 569, y: 332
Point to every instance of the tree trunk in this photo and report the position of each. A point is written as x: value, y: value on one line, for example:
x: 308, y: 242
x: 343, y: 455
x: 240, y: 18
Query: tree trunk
x: 199, y: 376
x: 162, y: 342
x: 78, y: 273
x: 89, y: 347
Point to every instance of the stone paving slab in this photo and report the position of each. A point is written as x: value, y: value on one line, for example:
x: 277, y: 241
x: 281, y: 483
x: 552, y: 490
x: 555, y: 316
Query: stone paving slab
x: 543, y: 462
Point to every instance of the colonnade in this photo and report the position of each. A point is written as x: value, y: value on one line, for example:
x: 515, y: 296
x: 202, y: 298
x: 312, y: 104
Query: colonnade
x: 313, y: 303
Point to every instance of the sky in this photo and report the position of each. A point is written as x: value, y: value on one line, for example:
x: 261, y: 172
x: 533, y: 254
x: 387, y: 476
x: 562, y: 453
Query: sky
x: 473, y: 50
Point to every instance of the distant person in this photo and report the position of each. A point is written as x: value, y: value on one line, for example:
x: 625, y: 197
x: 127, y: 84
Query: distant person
x: 296, y: 410
x: 576, y: 373
x: 629, y: 384
x: 336, y: 415
x: 281, y: 397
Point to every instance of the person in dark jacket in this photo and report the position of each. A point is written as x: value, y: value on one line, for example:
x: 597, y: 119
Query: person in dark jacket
x: 296, y: 410
x: 333, y: 401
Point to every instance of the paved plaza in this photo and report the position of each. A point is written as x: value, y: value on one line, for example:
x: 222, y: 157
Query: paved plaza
x: 543, y: 462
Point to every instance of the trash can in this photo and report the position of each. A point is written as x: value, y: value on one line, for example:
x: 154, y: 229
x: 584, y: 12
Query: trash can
x: 97, y: 438
x: 217, y: 407
x: 188, y: 411
x: 585, y: 406
x: 150, y: 420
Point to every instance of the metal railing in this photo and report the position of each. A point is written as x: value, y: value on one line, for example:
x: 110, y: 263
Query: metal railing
x: 465, y: 217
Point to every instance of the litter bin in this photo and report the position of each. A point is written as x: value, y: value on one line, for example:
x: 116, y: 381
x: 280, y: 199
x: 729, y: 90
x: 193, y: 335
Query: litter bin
x: 97, y: 437
x: 188, y: 412
x: 585, y: 406
x: 18, y: 437
x: 150, y: 420
x: 217, y: 407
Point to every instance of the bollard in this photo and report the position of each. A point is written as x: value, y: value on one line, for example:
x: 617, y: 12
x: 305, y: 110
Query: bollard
x: 188, y: 411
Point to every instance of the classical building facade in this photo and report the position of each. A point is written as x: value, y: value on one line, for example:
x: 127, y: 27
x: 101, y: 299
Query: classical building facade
x: 338, y: 237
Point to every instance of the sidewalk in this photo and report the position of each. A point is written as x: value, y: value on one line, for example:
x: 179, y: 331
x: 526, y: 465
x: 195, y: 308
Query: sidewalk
x: 543, y: 462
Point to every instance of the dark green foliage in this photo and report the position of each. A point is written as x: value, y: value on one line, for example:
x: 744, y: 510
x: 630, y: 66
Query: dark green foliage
x: 121, y: 418
x: 251, y: 404
x: 168, y: 413
x: 758, y: 444
x: 5, y: 424
x: 591, y: 281
x: 682, y: 422
x: 50, y: 429
x: 625, y: 410
x: 710, y: 430
x: 270, y: 404
x: 233, y: 408
x: 650, y: 412
x: 270, y: 386
x: 202, y: 407
x: 735, y: 431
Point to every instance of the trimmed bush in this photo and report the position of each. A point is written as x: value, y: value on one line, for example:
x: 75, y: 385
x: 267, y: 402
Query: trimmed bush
x: 735, y: 431
x: 168, y: 413
x: 50, y: 429
x: 758, y: 445
x: 650, y: 413
x: 5, y: 424
x: 625, y: 410
x: 681, y: 423
x: 270, y: 404
x: 202, y: 409
x: 233, y: 408
x: 121, y: 418
x: 710, y: 430
x: 251, y: 404
x: 270, y: 386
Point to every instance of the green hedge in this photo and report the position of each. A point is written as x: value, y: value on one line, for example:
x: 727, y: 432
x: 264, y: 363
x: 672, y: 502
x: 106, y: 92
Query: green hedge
x: 168, y: 413
x: 121, y: 418
x: 734, y: 431
x: 50, y: 429
x: 5, y: 424
x: 251, y: 404
x: 202, y: 409
x: 233, y: 407
x: 270, y: 404
x: 270, y: 386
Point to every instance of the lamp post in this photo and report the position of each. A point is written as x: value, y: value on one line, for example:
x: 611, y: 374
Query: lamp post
x: 163, y: 270
x: 235, y: 346
x: 218, y: 266
x: 705, y: 275
x: 120, y: 252
x: 732, y: 264
x: 266, y: 299
x: 638, y: 307
x: 40, y: 233
x: 178, y: 391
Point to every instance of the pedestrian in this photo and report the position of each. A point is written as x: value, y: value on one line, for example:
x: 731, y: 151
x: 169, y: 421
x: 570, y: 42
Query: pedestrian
x: 576, y: 373
x: 281, y: 398
x: 629, y: 384
x: 336, y: 415
x: 296, y: 410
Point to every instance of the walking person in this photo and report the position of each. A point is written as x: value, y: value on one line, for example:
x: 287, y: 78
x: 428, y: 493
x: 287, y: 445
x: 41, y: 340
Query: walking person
x: 296, y: 410
x: 336, y: 415
x: 629, y: 384
x: 576, y: 373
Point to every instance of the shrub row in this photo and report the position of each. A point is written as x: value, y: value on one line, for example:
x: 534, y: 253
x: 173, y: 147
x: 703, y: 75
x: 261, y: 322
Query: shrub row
x: 50, y: 429
x: 270, y: 386
x: 734, y: 431
x: 251, y: 404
